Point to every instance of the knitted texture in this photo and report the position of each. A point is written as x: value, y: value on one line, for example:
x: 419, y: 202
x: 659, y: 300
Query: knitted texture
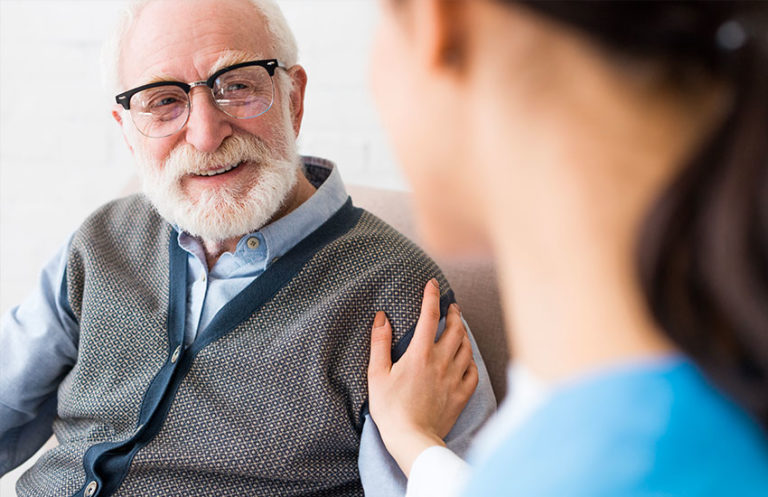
x: 117, y: 281
x: 272, y: 407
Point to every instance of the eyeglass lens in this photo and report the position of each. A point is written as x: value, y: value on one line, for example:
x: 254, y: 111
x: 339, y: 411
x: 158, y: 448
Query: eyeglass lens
x: 242, y: 93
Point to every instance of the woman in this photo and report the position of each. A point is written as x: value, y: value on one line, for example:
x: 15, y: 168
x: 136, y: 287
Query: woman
x: 613, y: 158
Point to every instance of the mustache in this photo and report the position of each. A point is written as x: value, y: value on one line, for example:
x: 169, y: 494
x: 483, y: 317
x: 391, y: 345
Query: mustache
x: 186, y: 159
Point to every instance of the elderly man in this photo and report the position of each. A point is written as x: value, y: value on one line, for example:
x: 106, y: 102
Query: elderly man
x: 211, y: 336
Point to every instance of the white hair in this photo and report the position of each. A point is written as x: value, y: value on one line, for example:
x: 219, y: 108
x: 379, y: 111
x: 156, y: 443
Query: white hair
x: 283, y: 43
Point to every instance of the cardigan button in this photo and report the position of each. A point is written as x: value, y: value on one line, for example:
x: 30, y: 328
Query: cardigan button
x: 90, y: 490
x: 175, y: 355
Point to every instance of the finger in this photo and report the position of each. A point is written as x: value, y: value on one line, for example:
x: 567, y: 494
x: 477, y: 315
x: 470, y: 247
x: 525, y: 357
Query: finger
x: 453, y: 334
x: 426, y: 327
x: 381, y: 345
x: 463, y: 357
x: 470, y: 380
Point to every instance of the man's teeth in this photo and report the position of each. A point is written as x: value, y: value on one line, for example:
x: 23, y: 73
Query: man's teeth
x: 219, y: 171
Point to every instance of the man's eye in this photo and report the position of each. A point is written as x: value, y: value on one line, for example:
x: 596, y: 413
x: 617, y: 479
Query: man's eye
x: 237, y: 87
x: 163, y: 102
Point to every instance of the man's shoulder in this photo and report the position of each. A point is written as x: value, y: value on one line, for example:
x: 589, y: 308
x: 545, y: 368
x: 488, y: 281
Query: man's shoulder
x: 379, y: 257
x: 376, y: 238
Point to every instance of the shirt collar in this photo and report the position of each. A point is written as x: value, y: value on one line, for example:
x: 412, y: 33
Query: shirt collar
x: 286, y: 232
x: 279, y: 237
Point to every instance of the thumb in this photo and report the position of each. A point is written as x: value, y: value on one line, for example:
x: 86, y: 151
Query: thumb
x: 381, y: 345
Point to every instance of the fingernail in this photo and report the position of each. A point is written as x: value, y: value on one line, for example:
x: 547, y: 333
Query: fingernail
x: 380, y: 320
x: 434, y: 283
x: 456, y: 306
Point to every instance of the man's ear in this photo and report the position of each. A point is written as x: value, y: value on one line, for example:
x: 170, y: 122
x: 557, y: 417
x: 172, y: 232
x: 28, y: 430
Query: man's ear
x: 117, y: 114
x: 299, y: 85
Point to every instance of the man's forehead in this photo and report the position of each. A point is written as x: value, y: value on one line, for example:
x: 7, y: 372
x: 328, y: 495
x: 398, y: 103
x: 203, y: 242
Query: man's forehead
x: 205, y: 36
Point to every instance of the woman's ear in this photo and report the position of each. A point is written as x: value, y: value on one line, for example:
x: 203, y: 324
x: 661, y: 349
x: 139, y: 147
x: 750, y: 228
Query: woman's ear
x: 438, y: 30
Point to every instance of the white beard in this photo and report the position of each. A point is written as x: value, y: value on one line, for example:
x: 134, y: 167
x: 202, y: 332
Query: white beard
x: 222, y: 213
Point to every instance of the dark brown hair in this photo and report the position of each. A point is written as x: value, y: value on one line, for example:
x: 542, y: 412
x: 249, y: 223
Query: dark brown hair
x: 703, y: 251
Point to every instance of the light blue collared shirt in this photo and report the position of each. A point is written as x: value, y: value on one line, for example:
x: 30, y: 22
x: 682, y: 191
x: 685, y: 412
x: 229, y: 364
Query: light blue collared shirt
x: 209, y: 291
x: 39, y: 338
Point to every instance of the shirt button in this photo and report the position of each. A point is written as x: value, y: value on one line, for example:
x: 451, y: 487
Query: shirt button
x: 91, y: 489
x: 203, y: 278
x: 275, y: 260
x: 253, y: 243
x: 176, y: 353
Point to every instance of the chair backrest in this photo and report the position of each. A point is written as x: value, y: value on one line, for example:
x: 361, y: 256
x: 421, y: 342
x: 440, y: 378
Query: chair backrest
x: 473, y: 281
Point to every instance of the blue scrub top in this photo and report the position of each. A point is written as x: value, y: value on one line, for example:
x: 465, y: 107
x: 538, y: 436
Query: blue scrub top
x: 657, y: 429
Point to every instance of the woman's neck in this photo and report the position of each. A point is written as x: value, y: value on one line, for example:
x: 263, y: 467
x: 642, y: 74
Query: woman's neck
x: 566, y: 214
x: 571, y: 311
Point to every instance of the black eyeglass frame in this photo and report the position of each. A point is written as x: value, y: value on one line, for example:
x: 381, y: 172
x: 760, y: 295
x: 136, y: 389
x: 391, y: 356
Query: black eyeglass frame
x: 124, y: 98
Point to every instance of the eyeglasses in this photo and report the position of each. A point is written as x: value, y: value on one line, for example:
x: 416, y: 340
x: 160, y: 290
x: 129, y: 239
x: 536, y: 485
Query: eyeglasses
x: 242, y: 91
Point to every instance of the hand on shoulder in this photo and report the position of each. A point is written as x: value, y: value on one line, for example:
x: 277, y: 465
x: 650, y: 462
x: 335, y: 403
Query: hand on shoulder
x: 416, y: 401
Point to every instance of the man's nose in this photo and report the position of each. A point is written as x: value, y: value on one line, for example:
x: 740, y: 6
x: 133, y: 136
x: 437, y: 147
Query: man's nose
x: 207, y: 126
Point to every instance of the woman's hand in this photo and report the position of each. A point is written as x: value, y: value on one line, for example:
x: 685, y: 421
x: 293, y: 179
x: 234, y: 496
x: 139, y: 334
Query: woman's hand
x: 416, y: 401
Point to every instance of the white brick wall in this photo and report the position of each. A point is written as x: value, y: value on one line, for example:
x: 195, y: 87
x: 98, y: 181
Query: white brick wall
x: 61, y: 155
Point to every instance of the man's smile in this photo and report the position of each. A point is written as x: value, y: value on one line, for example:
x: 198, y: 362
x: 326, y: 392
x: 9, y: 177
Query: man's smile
x: 220, y: 170
x: 217, y: 176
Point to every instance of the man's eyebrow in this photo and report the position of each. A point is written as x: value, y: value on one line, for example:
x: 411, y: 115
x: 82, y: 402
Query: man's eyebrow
x: 161, y: 78
x: 232, y: 57
x: 228, y: 58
